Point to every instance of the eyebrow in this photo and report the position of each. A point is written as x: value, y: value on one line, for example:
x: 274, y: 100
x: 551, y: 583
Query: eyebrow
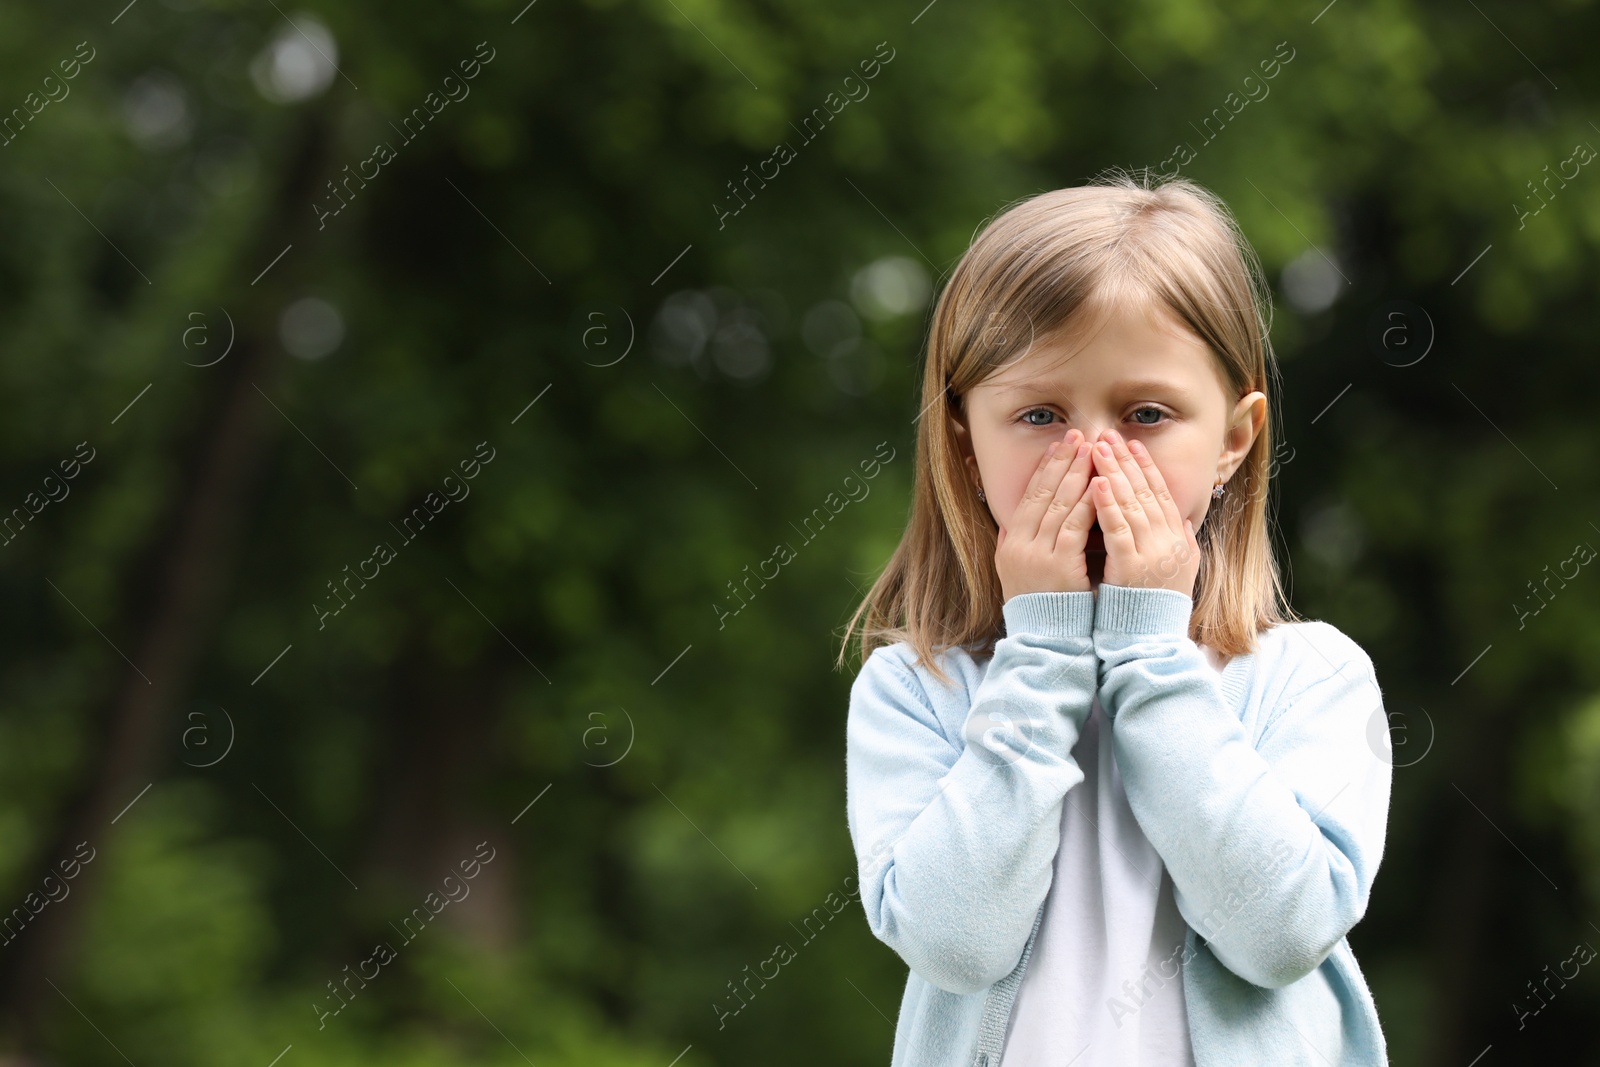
x: 1138, y: 385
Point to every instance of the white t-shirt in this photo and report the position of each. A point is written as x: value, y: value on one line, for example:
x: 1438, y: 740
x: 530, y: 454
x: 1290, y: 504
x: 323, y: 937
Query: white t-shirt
x: 1095, y: 991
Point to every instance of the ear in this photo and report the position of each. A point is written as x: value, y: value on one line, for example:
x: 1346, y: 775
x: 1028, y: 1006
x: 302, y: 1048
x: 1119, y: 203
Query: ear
x: 958, y: 424
x: 1243, y: 426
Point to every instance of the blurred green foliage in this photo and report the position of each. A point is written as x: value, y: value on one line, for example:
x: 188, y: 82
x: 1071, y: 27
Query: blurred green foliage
x: 542, y: 269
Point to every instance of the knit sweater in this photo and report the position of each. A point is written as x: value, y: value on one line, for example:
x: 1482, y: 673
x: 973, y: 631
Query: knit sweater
x: 1264, y: 789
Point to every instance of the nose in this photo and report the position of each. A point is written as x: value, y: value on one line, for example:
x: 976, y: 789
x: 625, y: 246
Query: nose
x: 1108, y: 435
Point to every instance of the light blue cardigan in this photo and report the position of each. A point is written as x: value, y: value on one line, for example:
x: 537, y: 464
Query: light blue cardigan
x: 1265, y: 790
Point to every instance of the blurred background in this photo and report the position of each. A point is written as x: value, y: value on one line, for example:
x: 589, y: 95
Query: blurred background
x: 400, y: 397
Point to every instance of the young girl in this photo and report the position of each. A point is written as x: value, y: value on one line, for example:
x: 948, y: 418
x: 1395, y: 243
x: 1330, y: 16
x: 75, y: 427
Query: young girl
x: 1112, y: 802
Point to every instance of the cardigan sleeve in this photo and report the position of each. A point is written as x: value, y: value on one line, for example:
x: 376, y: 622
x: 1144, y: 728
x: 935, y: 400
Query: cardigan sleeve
x: 1272, y: 847
x: 955, y: 838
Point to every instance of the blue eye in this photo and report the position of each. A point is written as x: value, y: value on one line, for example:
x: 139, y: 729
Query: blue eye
x: 1026, y: 416
x: 1158, y: 411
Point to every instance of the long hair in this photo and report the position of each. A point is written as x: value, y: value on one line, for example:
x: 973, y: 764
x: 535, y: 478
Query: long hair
x: 1072, y: 257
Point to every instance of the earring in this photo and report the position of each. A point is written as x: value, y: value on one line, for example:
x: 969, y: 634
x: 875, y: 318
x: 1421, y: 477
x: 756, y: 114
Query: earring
x: 1217, y: 491
x: 981, y: 497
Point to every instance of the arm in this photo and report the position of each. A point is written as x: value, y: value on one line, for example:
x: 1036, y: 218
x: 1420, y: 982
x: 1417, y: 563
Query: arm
x: 956, y: 837
x: 1272, y: 851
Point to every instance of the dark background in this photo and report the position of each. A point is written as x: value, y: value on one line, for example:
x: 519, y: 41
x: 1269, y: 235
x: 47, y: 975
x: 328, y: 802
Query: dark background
x: 550, y: 671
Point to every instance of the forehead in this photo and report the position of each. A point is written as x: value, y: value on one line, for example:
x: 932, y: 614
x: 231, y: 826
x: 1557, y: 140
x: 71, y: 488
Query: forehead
x: 1129, y: 350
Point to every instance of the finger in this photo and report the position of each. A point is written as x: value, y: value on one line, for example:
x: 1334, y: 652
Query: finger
x: 1074, y: 535
x: 1133, y: 514
x: 1128, y: 463
x: 1068, y: 494
x: 1042, y: 487
x: 1113, y: 524
x: 1022, y: 515
x: 1158, y: 484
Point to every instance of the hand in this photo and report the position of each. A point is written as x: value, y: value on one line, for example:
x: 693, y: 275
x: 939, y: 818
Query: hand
x: 1041, y: 548
x: 1147, y: 542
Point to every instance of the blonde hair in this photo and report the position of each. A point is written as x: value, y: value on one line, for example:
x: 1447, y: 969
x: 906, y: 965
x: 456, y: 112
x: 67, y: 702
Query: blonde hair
x: 1057, y: 258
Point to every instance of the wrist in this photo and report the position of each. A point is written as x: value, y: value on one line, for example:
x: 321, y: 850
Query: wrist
x: 1050, y: 614
x: 1142, y: 610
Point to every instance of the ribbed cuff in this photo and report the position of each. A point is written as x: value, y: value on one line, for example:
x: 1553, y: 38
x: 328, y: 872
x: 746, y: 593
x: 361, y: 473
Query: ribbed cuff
x: 1050, y: 614
x: 1142, y: 610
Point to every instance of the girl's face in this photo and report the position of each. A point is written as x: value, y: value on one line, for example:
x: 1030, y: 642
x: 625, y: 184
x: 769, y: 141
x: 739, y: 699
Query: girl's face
x: 1144, y: 375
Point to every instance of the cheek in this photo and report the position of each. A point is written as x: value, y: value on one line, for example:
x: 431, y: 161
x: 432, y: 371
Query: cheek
x: 1004, y: 497
x: 1188, y: 481
x: 1004, y: 503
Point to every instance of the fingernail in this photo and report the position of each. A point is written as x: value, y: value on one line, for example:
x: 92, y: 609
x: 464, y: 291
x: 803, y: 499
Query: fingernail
x: 1105, y: 449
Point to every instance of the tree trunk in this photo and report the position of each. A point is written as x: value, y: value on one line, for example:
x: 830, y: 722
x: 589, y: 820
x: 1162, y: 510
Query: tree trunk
x: 171, y: 614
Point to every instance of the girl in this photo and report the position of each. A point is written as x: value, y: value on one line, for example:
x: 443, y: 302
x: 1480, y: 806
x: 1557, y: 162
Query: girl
x: 1112, y: 801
